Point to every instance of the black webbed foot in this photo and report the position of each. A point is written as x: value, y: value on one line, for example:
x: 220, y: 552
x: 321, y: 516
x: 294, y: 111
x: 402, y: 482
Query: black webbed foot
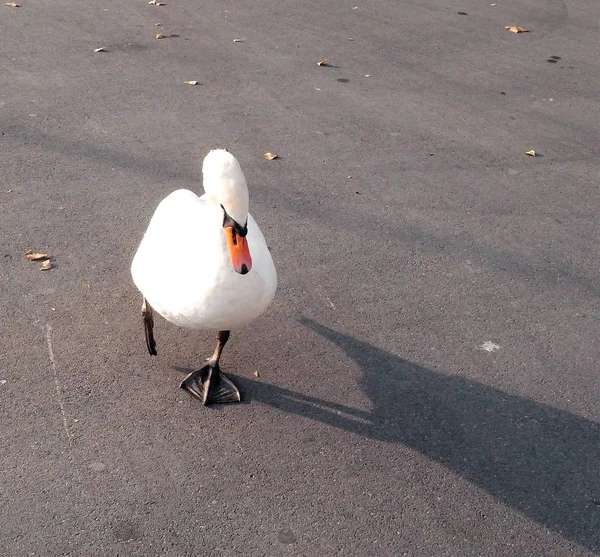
x: 211, y: 386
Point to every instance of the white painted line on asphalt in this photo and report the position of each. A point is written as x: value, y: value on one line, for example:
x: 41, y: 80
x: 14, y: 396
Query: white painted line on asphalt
x: 56, y: 384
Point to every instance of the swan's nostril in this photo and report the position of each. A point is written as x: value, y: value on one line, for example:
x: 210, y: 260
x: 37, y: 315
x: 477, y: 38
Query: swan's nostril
x: 244, y: 269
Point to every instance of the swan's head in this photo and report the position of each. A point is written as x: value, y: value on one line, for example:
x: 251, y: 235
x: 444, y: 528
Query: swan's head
x: 225, y: 183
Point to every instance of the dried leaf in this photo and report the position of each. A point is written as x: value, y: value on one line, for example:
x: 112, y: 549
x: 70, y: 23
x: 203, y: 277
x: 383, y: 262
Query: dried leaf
x: 238, y: 40
x: 271, y: 156
x: 323, y: 62
x: 160, y: 36
x: 101, y: 49
x: 516, y: 29
x: 35, y: 256
x: 531, y: 153
x: 255, y: 373
x: 12, y: 5
x: 46, y: 265
x: 191, y: 83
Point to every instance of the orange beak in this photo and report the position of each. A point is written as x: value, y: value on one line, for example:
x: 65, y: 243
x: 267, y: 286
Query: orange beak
x: 238, y: 251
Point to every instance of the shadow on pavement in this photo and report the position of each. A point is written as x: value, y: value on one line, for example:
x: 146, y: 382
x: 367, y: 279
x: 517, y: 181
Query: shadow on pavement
x: 543, y: 462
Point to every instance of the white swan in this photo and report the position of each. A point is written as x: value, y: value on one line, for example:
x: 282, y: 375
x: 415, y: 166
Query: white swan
x: 204, y: 264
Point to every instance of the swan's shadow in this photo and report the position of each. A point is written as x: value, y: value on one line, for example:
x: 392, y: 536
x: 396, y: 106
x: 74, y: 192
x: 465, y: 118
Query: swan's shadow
x: 543, y: 462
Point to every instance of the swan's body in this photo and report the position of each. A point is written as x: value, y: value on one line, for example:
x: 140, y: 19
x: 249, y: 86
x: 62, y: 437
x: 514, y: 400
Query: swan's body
x: 184, y: 270
x: 203, y: 262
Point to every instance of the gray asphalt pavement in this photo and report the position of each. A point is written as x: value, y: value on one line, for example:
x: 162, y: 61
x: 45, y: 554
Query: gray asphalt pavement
x: 428, y: 372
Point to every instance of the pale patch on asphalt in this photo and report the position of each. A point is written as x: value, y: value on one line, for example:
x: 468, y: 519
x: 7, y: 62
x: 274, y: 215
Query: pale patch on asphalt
x: 489, y: 346
x: 98, y: 466
x: 56, y: 384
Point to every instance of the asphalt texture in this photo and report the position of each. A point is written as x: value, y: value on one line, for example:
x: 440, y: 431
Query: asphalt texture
x: 428, y: 372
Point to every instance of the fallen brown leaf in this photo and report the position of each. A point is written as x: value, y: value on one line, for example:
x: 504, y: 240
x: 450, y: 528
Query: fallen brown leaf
x: 255, y: 373
x: 35, y: 256
x: 516, y: 29
x: 270, y: 156
x: 12, y: 5
x: 101, y: 49
x: 46, y: 265
x: 160, y: 36
x: 323, y: 62
x: 191, y: 83
x: 531, y: 153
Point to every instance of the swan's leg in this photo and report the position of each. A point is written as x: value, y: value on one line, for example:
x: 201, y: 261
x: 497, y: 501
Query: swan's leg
x: 209, y: 384
x: 148, y: 318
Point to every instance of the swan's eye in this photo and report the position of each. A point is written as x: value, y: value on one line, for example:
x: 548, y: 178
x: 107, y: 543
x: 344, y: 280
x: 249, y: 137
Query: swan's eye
x: 228, y: 221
